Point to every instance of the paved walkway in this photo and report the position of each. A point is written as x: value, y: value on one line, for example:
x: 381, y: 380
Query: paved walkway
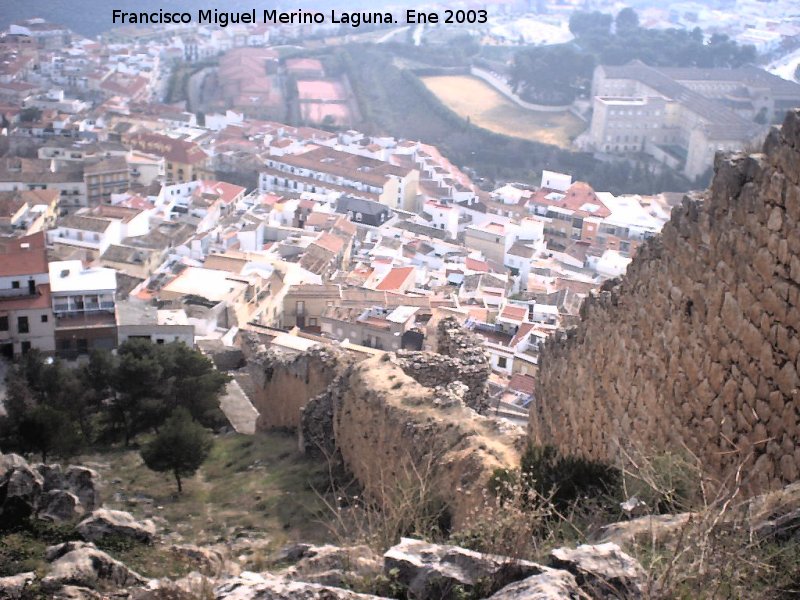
x: 237, y: 407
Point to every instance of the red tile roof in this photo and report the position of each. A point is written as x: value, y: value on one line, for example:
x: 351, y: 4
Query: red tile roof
x: 18, y: 259
x: 514, y: 313
x: 522, y: 383
x: 395, y: 279
x: 477, y: 265
x: 177, y: 151
x: 330, y: 242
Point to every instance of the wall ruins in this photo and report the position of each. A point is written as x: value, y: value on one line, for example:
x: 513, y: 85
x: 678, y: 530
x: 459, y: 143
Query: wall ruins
x: 282, y: 385
x: 697, y: 345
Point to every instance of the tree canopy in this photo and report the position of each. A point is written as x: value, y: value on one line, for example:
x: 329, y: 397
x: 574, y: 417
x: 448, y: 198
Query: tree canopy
x: 558, y: 74
x: 180, y: 447
x: 53, y: 409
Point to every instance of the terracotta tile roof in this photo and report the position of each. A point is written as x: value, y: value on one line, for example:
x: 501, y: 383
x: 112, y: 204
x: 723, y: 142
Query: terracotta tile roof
x: 177, y: 151
x: 23, y: 256
x: 522, y: 383
x: 514, y: 313
x: 524, y: 329
x: 330, y: 242
x: 476, y: 265
x: 395, y: 278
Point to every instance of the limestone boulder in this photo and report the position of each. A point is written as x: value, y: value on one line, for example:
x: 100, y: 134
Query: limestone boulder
x: 20, y: 490
x: 658, y: 529
x: 336, y: 566
x: 602, y: 570
x: 85, y: 484
x: 207, y: 560
x: 104, y: 523
x: 552, y: 584
x: 60, y: 506
x: 83, y: 565
x: 252, y: 586
x: 428, y: 569
x: 77, y: 592
x: 53, y: 476
x: 10, y: 461
x: 13, y: 587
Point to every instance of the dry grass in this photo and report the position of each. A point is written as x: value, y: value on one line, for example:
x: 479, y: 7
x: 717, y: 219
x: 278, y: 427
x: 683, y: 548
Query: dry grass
x: 471, y: 97
x: 258, y: 487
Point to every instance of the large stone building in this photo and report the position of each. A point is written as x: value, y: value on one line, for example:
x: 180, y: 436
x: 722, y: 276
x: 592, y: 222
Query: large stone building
x: 682, y: 116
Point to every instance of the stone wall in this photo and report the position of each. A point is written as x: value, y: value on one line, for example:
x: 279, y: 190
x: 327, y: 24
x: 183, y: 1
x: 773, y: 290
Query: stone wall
x: 281, y: 385
x: 391, y: 431
x: 697, y: 345
x: 459, y: 356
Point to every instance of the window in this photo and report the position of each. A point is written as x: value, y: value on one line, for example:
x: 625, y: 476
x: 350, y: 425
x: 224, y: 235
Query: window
x: 159, y: 340
x: 3, y: 323
x: 44, y: 318
x: 25, y: 347
x: 502, y: 362
x: 15, y: 285
x: 22, y: 325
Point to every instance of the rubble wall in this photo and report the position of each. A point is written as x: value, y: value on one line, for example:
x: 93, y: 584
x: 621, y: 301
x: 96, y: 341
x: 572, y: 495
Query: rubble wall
x: 391, y: 431
x: 697, y: 344
x: 459, y: 356
x: 281, y: 385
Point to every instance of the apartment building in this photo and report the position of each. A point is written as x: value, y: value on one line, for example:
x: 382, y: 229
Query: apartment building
x: 105, y: 177
x: 84, y: 305
x: 376, y: 327
x: 18, y: 174
x: 184, y: 161
x: 26, y: 315
x: 324, y: 170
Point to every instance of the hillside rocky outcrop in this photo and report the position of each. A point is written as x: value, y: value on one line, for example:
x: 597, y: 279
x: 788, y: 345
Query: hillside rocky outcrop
x: 45, y: 491
x: 697, y: 346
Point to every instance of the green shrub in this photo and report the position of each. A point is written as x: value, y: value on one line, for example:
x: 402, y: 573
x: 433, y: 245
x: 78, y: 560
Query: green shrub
x: 567, y: 479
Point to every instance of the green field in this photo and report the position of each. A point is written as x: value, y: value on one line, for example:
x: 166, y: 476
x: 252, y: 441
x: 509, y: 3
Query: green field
x: 476, y: 100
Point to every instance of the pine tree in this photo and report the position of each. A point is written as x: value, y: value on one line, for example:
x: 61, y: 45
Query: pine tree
x: 180, y: 447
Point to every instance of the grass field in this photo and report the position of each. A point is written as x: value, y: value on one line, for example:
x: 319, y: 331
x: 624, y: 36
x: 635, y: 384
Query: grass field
x: 471, y: 97
x: 253, y: 495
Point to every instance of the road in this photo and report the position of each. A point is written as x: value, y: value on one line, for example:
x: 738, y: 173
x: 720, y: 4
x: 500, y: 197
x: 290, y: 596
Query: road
x: 385, y: 38
x: 786, y: 65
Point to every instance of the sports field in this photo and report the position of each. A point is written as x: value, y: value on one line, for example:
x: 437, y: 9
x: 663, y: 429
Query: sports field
x: 472, y: 97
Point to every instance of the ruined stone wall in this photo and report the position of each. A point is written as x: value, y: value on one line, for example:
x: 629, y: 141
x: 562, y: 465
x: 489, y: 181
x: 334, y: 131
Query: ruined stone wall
x: 431, y: 369
x: 391, y: 431
x: 459, y: 356
x: 697, y: 344
x: 281, y: 385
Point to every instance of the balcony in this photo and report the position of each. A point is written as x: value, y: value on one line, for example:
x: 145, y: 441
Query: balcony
x: 96, y: 320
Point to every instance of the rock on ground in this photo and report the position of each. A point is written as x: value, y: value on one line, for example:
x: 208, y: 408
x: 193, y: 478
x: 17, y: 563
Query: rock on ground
x: 336, y: 566
x: 659, y: 529
x: 59, y: 506
x: 82, y: 564
x: 550, y: 585
x: 12, y: 587
x: 104, y: 523
x: 603, y: 570
x: 430, y: 568
x: 251, y: 586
